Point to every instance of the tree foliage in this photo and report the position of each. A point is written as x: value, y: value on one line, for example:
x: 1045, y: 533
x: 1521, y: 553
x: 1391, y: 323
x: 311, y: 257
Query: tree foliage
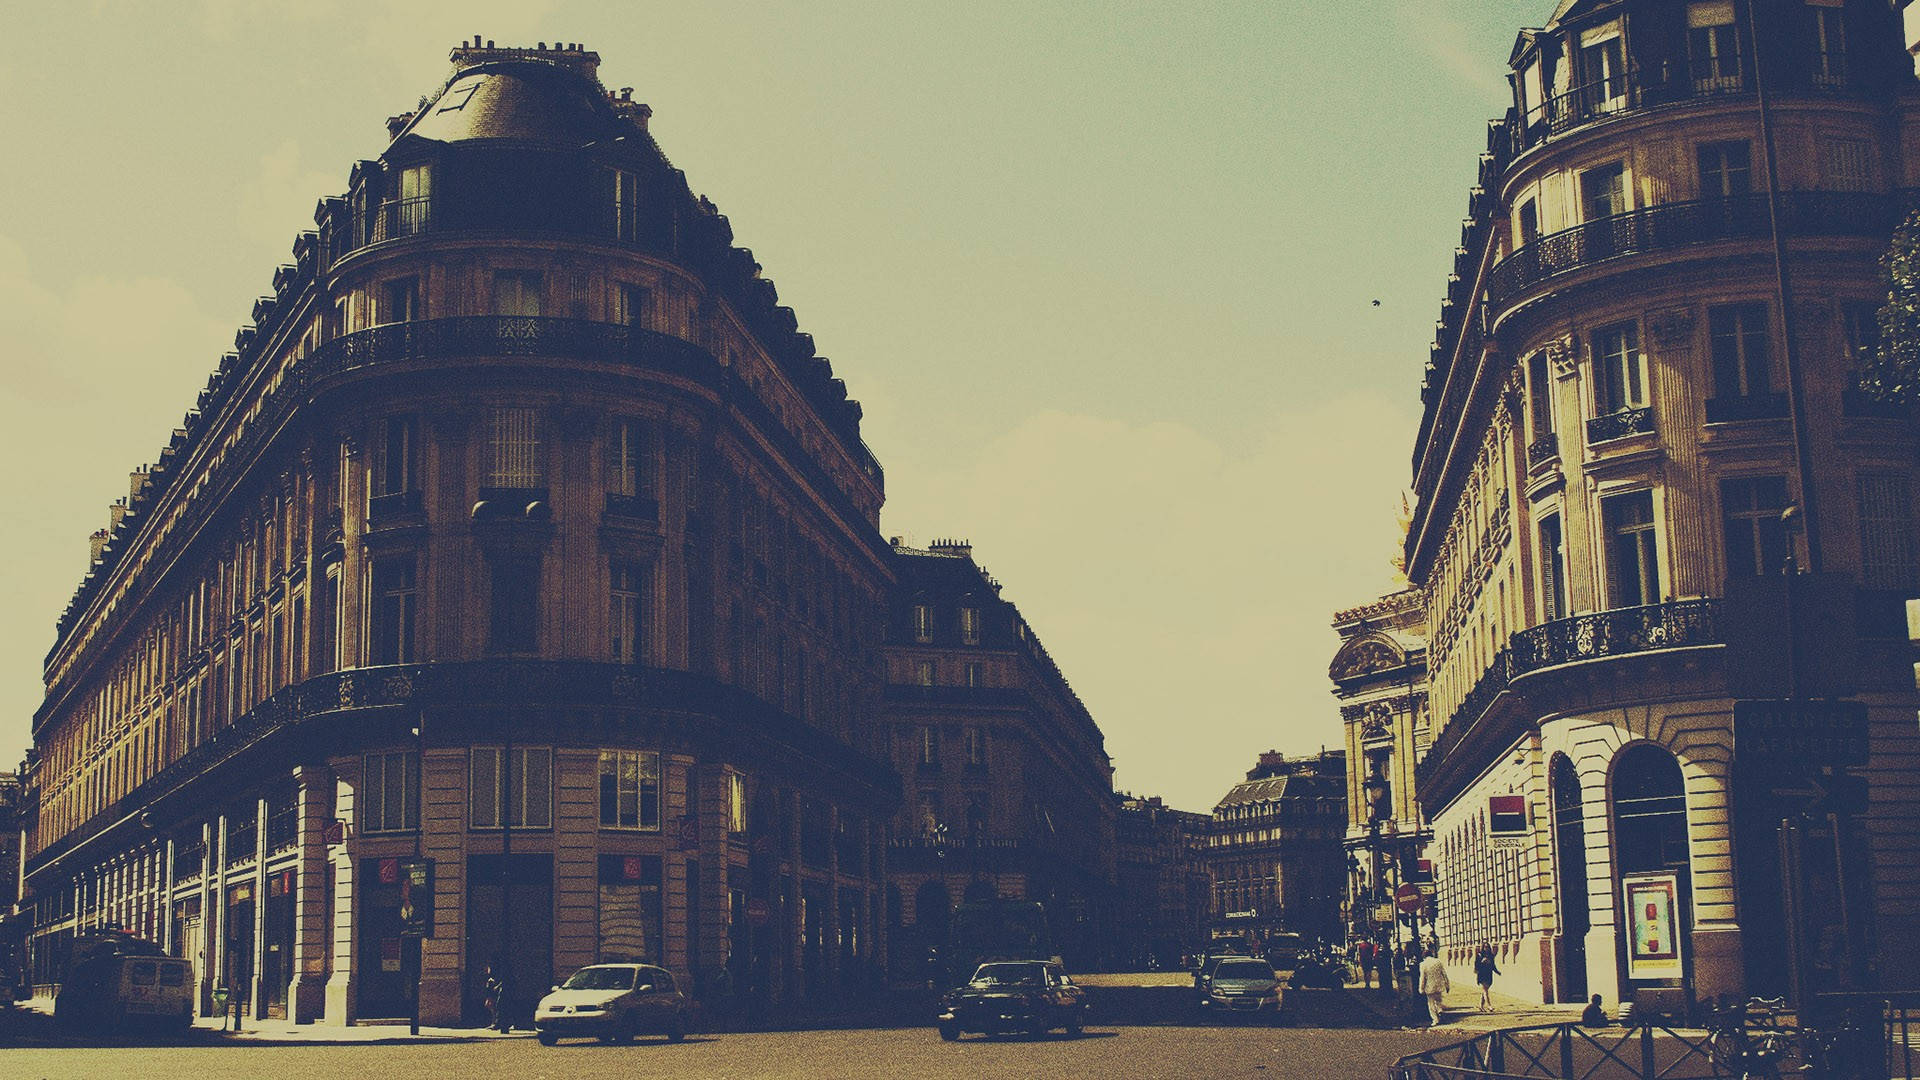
x: 1892, y: 373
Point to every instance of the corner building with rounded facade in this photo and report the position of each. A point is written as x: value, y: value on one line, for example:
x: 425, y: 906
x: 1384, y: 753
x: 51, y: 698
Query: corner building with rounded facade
x: 1626, y: 394
x: 523, y: 532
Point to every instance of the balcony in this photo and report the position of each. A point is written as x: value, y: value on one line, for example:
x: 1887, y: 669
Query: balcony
x: 1542, y: 450
x: 633, y: 507
x: 1674, y: 226
x: 383, y: 509
x: 1722, y: 410
x: 1615, y: 633
x: 1619, y: 425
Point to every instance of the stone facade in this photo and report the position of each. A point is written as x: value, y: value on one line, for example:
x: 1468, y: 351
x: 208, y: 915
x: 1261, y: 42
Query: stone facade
x: 1274, y: 849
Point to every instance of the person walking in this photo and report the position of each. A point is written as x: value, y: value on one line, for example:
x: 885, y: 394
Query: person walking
x: 1383, y: 966
x: 1434, y: 984
x: 498, y: 1016
x: 1363, y: 958
x: 1484, y: 969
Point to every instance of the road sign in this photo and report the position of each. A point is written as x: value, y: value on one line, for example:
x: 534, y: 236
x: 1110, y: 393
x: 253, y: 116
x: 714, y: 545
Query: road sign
x: 1800, y: 733
x: 1407, y: 899
x: 1383, y: 913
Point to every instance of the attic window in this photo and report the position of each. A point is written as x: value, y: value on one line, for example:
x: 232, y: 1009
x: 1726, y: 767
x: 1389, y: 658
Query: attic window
x: 457, y: 98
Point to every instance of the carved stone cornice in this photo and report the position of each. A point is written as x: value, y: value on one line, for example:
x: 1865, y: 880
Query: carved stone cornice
x: 1562, y: 356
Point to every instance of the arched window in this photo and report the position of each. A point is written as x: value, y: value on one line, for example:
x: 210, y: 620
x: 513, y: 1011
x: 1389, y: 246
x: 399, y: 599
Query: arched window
x: 1649, y: 810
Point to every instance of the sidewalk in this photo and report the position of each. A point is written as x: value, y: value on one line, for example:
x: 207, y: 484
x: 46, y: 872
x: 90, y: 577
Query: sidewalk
x: 208, y: 1029
x: 1461, y: 1009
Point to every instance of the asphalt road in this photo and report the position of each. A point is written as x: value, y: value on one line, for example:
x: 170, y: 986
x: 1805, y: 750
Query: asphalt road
x: 1173, y: 1052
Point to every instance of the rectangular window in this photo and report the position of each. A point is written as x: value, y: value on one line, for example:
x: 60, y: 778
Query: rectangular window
x: 1755, y: 535
x: 1713, y: 46
x: 632, y: 305
x: 1860, y: 322
x: 1887, y: 532
x: 626, y: 205
x: 1739, y: 341
x: 1540, y: 396
x: 736, y: 804
x: 976, y: 742
x: 1726, y: 169
x: 1633, y: 564
x: 1604, y: 191
x: 1603, y: 70
x: 929, y: 747
x: 399, y: 455
x: 515, y: 604
x: 1553, y: 570
x: 1829, y: 47
x: 923, y: 672
x: 400, y: 300
x: 1847, y: 164
x: 976, y: 675
x: 516, y: 292
x: 1618, y: 384
x: 412, y: 210
x: 514, y: 449
x: 629, y: 592
x: 922, y: 623
x: 395, y: 611
x: 524, y: 789
x: 969, y: 626
x: 629, y: 789
x: 1528, y: 224
x: 630, y: 457
x: 390, y: 792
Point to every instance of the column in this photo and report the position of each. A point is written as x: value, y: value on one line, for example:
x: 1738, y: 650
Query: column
x: 340, y: 927
x: 307, y: 997
x: 256, y: 1000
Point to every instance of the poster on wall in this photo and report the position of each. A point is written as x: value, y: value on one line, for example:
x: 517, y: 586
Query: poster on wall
x: 1653, y: 926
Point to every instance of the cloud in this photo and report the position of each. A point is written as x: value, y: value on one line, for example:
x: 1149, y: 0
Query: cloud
x: 1184, y: 586
x: 278, y: 204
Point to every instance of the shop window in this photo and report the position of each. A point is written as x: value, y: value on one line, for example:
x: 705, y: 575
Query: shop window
x: 630, y: 910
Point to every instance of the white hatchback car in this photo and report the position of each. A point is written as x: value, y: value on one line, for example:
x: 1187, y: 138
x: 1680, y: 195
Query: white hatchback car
x: 613, y: 1002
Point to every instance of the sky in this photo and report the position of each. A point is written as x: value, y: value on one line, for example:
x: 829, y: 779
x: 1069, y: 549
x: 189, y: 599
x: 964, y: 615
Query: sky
x: 1136, y: 297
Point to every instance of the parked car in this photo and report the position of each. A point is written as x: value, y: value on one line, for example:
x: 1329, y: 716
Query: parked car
x: 1243, y: 984
x: 118, y: 981
x: 614, y: 1002
x: 1284, y: 949
x: 1013, y: 995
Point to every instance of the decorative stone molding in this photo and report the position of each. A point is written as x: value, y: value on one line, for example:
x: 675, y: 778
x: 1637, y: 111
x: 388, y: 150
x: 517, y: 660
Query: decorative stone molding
x: 1561, y: 356
x: 1671, y: 328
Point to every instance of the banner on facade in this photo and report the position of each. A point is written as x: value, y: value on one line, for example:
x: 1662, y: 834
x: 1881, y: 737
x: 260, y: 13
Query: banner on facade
x: 1507, y: 828
x: 1653, y: 926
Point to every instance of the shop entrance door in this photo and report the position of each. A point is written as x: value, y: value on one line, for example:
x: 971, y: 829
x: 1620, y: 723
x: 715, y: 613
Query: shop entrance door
x: 509, y: 923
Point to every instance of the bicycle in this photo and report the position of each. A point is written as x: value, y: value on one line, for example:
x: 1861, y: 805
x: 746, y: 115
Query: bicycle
x: 1749, y: 1041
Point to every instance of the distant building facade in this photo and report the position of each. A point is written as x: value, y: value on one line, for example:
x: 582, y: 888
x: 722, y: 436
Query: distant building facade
x: 1008, y: 787
x: 1160, y: 857
x: 1649, y: 351
x: 522, y: 532
x: 1274, y: 852
x: 1379, y: 676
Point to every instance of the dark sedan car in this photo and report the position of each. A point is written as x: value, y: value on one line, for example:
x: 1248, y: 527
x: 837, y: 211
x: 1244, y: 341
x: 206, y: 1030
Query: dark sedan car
x: 1014, y: 995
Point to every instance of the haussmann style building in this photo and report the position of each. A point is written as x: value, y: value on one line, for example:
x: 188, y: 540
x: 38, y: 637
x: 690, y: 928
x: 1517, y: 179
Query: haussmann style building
x: 1648, y: 353
x: 522, y: 532
x: 1274, y: 850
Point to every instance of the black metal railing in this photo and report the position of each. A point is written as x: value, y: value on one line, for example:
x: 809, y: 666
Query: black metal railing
x: 1567, y: 1052
x: 471, y: 336
x: 393, y: 504
x: 1746, y: 407
x: 1629, y: 91
x: 1681, y: 224
x: 638, y: 507
x: 1615, y: 633
x: 402, y: 217
x: 1543, y: 449
x: 1620, y: 424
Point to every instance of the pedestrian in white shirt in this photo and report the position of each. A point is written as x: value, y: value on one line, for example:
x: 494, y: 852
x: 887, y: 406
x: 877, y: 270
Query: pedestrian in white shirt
x: 1435, y: 984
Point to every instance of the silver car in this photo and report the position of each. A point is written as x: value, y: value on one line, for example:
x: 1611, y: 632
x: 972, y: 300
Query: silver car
x: 613, y: 1002
x: 1243, y: 984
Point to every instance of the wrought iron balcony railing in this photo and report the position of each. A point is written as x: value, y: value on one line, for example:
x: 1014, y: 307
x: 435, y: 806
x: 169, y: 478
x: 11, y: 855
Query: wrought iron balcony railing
x: 1670, y: 226
x: 1615, y: 633
x: 1620, y: 424
x: 1543, y: 449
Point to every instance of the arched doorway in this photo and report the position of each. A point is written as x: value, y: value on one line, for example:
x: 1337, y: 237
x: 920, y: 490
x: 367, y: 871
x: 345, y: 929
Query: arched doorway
x: 1654, y: 873
x: 1570, y: 850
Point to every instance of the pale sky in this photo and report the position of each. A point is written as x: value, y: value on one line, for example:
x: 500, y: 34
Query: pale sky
x: 1102, y: 276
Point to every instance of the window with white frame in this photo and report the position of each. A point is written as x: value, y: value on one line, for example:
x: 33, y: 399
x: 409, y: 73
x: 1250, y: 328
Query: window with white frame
x: 1603, y: 191
x: 969, y: 626
x: 626, y: 205
x: 736, y: 803
x: 411, y: 210
x: 923, y: 623
x: 1725, y: 169
x: 629, y: 789
x: 1540, y: 396
x: 399, y: 455
x: 1603, y: 68
x: 923, y: 672
x: 628, y: 611
x: 1713, y: 46
x: 630, y: 457
x: 1738, y: 337
x: 1756, y: 537
x: 1829, y: 44
x: 1633, y: 550
x: 520, y: 794
x: 1553, y: 569
x: 1619, y: 383
x: 517, y: 292
x: 395, y: 610
x: 400, y: 300
x: 514, y: 448
x: 389, y: 795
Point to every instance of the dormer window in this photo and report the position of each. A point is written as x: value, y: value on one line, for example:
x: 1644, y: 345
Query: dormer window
x: 1713, y: 46
x: 410, y: 210
x: 626, y: 205
x: 923, y: 623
